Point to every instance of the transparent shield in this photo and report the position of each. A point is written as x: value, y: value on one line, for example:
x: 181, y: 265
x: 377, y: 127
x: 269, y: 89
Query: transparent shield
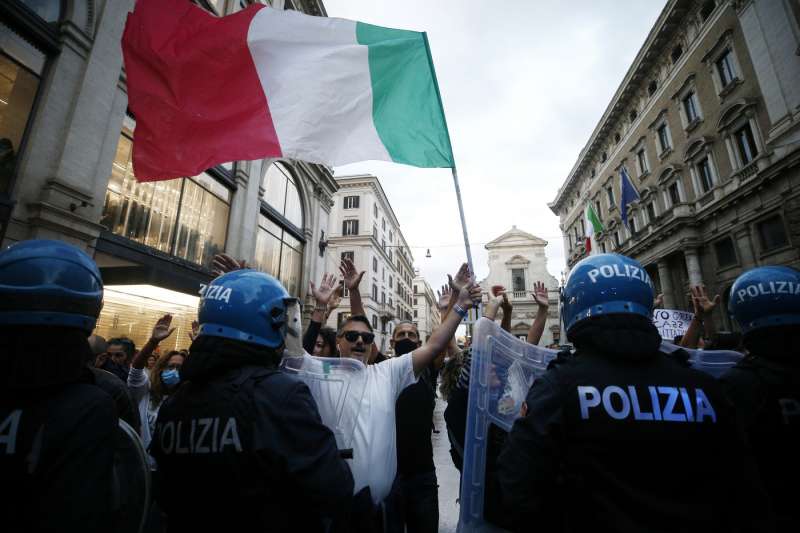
x: 337, y: 386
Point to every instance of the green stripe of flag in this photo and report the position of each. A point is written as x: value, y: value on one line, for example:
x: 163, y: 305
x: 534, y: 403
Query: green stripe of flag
x: 594, y: 225
x: 406, y: 106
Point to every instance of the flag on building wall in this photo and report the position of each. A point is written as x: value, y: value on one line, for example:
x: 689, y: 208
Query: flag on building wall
x: 593, y: 225
x: 271, y: 83
x: 628, y: 194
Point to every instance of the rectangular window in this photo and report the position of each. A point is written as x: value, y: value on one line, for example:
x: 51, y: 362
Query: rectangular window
x: 375, y: 264
x: 651, y: 211
x: 375, y: 210
x: 391, y: 282
x: 187, y: 217
x: 690, y: 107
x: 746, y: 144
x: 383, y: 297
x: 674, y: 193
x: 518, y: 279
x: 603, y: 247
x: 349, y: 255
x: 375, y: 290
x: 350, y: 227
x: 415, y: 289
x: 415, y: 314
x: 279, y: 254
x: 375, y: 232
x: 351, y: 202
x: 663, y: 138
x: 383, y: 244
x: 375, y: 322
x: 632, y: 223
x: 704, y: 175
x: 641, y: 159
x: 725, y: 251
x: 725, y: 68
x: 772, y: 233
x: 610, y: 195
x: 383, y: 224
x: 18, y: 88
x: 597, y: 207
x: 616, y: 239
x: 415, y: 301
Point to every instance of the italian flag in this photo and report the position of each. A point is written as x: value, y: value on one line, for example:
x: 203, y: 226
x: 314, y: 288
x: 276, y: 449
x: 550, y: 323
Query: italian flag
x: 262, y: 82
x: 593, y: 225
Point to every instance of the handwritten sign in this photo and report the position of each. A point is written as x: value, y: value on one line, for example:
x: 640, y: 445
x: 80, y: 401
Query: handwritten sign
x: 671, y: 322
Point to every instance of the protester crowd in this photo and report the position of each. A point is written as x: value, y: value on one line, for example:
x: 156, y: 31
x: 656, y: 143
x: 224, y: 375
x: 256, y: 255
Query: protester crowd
x: 619, y: 434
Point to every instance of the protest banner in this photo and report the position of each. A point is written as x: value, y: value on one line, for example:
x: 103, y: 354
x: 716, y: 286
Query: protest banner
x: 671, y: 322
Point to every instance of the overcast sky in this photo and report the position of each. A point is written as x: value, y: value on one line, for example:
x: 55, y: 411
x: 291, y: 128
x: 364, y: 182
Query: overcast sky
x: 524, y: 83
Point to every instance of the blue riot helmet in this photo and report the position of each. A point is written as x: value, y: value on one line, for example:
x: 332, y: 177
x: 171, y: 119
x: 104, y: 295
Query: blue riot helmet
x: 606, y: 284
x: 49, y: 283
x: 766, y: 297
x: 250, y: 306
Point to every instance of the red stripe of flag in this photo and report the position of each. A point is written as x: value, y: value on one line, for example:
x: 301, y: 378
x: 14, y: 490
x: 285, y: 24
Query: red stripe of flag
x: 194, y: 90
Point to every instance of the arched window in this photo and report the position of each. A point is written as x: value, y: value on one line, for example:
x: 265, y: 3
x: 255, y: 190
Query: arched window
x: 279, y: 245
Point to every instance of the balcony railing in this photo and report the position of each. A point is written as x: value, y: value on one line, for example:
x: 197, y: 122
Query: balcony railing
x: 519, y: 295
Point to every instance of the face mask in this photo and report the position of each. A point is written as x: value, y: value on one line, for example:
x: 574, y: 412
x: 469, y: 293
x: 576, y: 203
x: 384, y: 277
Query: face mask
x: 170, y: 377
x: 404, y: 346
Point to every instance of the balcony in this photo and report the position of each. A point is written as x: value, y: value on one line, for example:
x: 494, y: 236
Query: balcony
x: 519, y: 295
x: 386, y: 312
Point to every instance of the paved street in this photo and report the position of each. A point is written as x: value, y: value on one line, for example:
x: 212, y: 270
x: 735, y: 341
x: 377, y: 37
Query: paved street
x: 446, y: 473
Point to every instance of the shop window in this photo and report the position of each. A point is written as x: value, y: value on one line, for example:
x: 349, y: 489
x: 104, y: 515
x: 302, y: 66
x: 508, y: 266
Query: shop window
x: 20, y: 68
x: 279, y: 254
x: 351, y: 202
x: 185, y: 217
x: 725, y: 251
x: 772, y: 233
x: 350, y: 227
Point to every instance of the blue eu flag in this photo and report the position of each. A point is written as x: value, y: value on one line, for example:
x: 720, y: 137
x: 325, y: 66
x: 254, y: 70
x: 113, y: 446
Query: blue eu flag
x: 629, y: 194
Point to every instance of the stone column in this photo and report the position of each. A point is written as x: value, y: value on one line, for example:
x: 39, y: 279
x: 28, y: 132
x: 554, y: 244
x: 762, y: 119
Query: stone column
x: 666, y: 284
x: 745, y: 244
x: 693, y: 267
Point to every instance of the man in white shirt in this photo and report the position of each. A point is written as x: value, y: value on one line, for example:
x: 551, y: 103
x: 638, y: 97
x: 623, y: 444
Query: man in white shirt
x: 374, y: 463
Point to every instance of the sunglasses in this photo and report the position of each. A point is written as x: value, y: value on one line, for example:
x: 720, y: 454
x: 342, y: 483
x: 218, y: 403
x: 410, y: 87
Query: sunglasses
x: 352, y: 336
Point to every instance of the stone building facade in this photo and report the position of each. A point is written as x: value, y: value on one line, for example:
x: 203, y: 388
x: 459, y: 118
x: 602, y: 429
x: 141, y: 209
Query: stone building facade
x: 66, y: 173
x: 363, y: 227
x: 707, y: 124
x: 516, y: 261
x: 426, y: 307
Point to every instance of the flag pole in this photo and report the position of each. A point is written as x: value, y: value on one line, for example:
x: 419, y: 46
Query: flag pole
x: 453, y: 168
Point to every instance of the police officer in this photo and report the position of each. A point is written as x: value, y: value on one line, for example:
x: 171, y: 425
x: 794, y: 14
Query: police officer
x: 57, y: 429
x: 765, y: 386
x: 619, y: 436
x: 241, y: 446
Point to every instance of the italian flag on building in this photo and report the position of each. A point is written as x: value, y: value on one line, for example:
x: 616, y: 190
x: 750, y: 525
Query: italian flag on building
x: 271, y: 83
x: 593, y: 225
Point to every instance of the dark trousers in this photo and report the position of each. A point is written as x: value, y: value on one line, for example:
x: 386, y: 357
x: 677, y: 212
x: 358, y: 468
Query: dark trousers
x: 415, y: 504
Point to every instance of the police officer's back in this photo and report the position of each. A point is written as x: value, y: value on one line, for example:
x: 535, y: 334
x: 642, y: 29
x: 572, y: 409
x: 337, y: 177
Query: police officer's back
x: 620, y: 437
x: 765, y: 386
x: 240, y: 446
x: 57, y: 429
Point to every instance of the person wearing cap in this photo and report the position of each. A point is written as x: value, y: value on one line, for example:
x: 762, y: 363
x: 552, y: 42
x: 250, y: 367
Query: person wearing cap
x: 57, y: 428
x: 765, y: 385
x: 240, y: 446
x: 619, y: 436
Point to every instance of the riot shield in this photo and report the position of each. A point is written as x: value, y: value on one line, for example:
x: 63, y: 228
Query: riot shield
x: 337, y: 385
x: 503, y: 370
x: 131, y: 491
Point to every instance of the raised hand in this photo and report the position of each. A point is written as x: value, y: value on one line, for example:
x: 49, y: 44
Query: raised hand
x: 659, y: 301
x: 444, y: 297
x: 324, y: 292
x: 223, y: 263
x: 336, y: 298
x: 162, y: 329
x: 195, y: 331
x: 351, y: 276
x: 540, y: 294
x: 703, y: 306
x: 470, y: 296
x: 462, y: 279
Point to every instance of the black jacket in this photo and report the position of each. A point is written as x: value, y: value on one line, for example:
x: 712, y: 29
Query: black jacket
x: 118, y: 390
x: 766, y: 394
x: 57, y: 458
x: 627, y: 440
x: 242, y: 448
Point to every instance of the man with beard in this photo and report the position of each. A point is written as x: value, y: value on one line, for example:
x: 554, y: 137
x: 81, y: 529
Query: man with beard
x: 374, y: 463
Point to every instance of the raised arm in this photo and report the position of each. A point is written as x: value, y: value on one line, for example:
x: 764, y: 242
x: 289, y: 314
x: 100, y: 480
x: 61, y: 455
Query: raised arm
x: 543, y: 303
x: 160, y: 332
x: 507, y: 308
x: 322, y: 295
x: 352, y: 279
x: 468, y: 293
x: 703, y: 309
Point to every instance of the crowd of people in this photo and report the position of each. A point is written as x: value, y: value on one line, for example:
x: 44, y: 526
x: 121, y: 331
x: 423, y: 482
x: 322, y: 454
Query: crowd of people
x: 618, y: 434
